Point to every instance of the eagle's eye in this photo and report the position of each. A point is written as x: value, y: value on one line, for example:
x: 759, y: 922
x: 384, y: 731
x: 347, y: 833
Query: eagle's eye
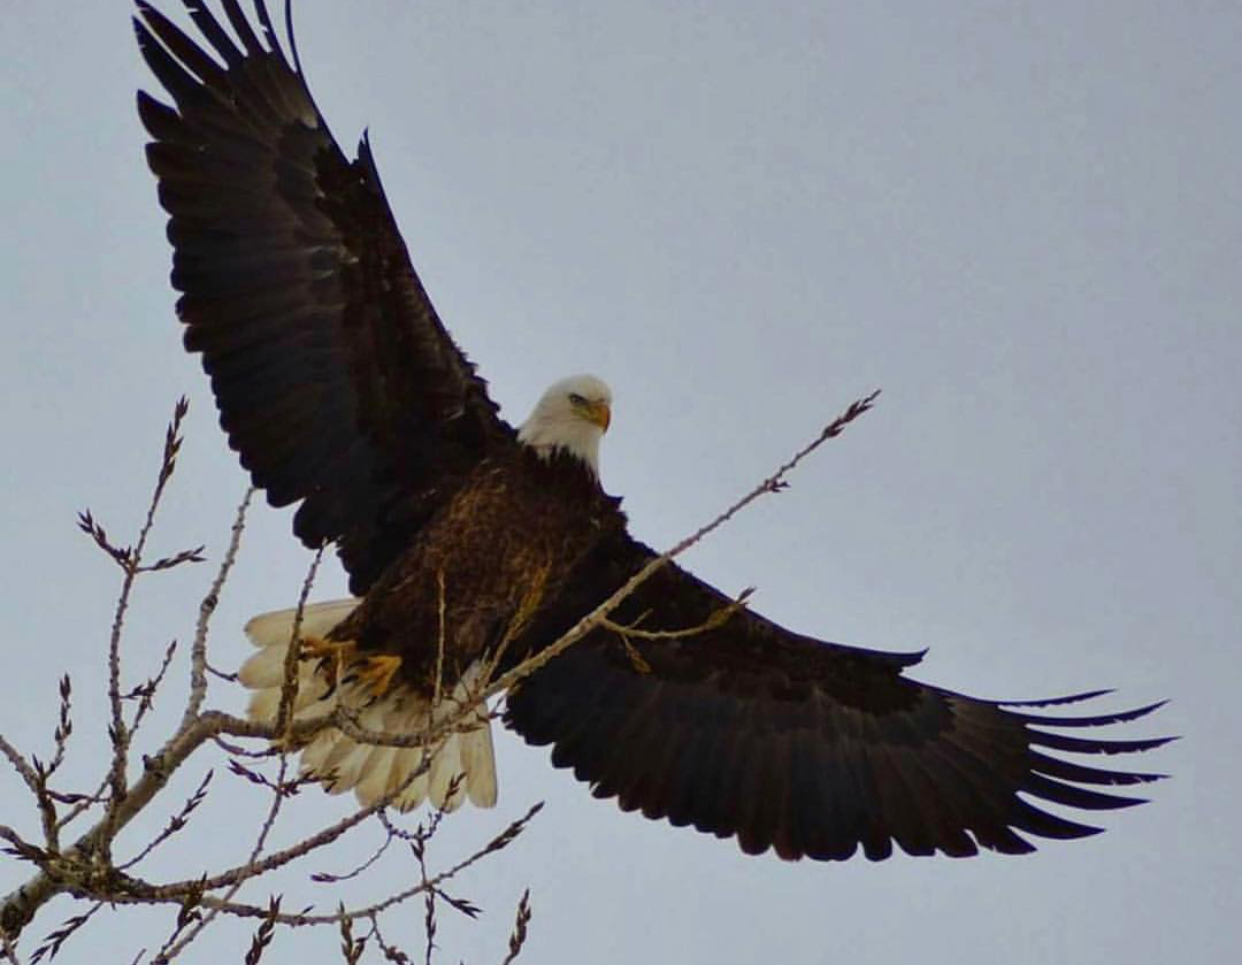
x: 576, y: 399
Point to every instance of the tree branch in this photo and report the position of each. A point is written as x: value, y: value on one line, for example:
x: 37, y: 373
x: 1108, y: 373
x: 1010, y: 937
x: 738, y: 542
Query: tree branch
x: 86, y: 868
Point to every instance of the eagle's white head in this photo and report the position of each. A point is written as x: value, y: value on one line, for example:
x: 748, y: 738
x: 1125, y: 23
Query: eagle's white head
x: 572, y: 415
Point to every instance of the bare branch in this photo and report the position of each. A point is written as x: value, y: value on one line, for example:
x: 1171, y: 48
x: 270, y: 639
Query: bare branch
x: 198, y: 650
x: 135, y: 893
x: 20, y: 905
x: 118, y: 732
x: 274, y: 860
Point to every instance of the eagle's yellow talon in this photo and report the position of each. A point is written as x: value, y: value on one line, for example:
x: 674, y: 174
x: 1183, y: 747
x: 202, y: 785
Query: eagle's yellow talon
x: 328, y: 656
x: 377, y: 672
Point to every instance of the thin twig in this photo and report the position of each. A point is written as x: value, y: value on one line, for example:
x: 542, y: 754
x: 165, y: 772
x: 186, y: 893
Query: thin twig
x: 324, y: 877
x: 64, y: 728
x: 36, y: 780
x: 118, y: 732
x: 198, y: 650
x: 85, y: 804
x: 391, y: 952
x: 716, y: 619
x: 146, y: 692
x: 520, y: 923
x: 172, y: 948
x: 289, y: 686
x: 20, y: 764
x: 55, y: 940
x: 175, y: 823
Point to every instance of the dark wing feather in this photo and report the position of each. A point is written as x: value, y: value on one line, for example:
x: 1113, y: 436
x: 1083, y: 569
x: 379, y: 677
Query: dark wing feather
x: 336, y: 381
x: 814, y: 749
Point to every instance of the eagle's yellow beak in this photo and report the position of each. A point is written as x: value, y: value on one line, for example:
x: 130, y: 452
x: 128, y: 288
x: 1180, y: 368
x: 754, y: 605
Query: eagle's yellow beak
x: 597, y: 413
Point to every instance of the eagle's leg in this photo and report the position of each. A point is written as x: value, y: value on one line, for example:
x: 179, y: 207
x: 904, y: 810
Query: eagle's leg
x: 328, y: 655
x: 376, y: 672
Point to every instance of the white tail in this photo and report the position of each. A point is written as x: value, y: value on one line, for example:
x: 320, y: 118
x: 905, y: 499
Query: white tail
x: 373, y: 771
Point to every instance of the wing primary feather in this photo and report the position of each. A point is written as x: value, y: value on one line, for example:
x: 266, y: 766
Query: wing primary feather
x: 241, y: 26
x: 167, y: 70
x: 1076, y: 797
x: 1097, y: 721
x: 160, y: 120
x: 214, y: 32
x: 293, y: 42
x: 1057, y: 701
x: 1079, y: 745
x: 1080, y: 773
x: 1030, y: 818
x: 190, y: 54
x: 269, y: 31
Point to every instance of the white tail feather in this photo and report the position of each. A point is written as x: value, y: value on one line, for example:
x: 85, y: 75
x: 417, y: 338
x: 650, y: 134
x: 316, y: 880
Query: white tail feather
x: 373, y: 771
x: 268, y: 629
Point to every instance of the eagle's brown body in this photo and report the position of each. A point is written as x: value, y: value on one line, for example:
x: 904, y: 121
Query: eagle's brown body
x: 500, y: 551
x: 342, y: 391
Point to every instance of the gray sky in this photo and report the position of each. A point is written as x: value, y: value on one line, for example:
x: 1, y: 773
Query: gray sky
x: 1022, y: 220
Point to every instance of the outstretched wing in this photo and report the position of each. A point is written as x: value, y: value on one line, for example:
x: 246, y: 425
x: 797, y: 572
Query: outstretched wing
x: 336, y: 381
x: 746, y: 729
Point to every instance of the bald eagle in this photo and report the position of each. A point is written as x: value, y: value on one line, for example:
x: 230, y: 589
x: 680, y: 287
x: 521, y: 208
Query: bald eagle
x: 471, y: 545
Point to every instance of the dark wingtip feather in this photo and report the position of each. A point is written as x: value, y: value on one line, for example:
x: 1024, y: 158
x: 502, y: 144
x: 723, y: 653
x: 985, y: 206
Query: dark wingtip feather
x: 1082, y: 774
x: 210, y: 28
x: 1073, y: 796
x: 1099, y: 720
x: 177, y: 80
x: 160, y: 120
x: 293, y: 42
x: 1057, y: 701
x: 241, y: 26
x: 269, y: 31
x: 1080, y: 745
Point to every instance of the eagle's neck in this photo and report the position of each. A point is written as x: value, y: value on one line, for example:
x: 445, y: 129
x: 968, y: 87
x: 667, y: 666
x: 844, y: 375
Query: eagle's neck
x: 573, y: 436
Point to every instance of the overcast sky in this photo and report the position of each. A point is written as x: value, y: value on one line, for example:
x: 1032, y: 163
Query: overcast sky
x: 1022, y: 220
